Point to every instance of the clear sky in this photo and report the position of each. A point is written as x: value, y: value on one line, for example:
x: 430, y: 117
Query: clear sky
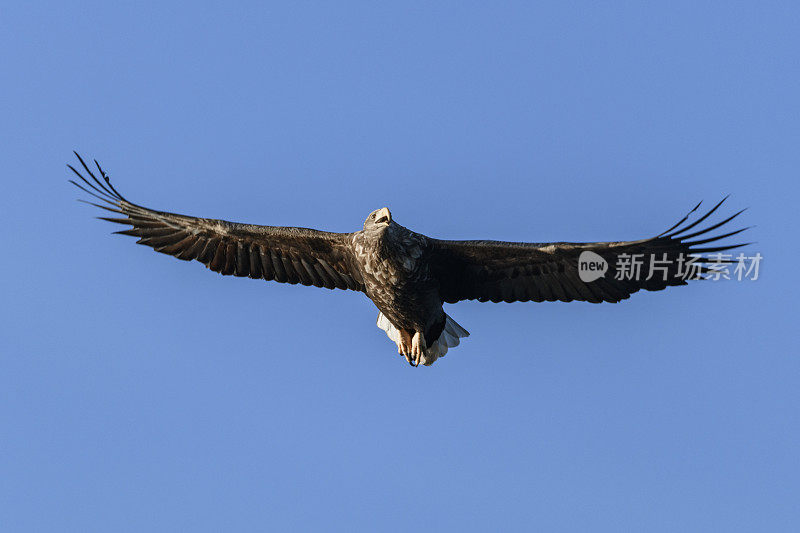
x: 142, y: 393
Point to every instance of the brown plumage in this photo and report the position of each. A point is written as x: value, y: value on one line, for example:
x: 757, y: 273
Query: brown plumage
x: 408, y: 275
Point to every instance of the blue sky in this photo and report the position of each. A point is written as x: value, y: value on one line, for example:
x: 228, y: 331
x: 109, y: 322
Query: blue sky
x: 141, y: 393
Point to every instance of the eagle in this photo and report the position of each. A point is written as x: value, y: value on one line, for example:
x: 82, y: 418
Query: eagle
x: 409, y: 276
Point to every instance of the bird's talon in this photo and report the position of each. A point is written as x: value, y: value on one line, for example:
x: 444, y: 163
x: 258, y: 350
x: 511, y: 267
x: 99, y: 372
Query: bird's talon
x: 417, y: 347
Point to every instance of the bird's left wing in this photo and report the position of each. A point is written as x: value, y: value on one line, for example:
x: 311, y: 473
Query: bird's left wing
x: 518, y: 272
x: 284, y: 254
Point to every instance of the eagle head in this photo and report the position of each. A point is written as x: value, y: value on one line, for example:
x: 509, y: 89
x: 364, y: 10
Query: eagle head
x: 380, y: 218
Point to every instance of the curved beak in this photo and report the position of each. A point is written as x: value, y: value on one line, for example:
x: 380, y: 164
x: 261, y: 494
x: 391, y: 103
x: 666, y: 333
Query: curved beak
x: 383, y: 216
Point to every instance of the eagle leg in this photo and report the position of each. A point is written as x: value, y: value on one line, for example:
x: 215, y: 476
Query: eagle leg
x: 417, y: 346
x: 404, y: 346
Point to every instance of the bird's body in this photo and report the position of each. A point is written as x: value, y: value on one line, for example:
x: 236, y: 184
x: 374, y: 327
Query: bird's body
x: 397, y: 278
x: 408, y: 276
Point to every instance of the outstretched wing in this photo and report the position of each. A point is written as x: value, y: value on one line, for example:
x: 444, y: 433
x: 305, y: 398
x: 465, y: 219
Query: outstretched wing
x: 519, y: 272
x: 284, y: 254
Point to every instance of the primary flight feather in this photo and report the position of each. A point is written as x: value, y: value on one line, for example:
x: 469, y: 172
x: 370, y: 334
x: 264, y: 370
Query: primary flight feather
x: 407, y: 275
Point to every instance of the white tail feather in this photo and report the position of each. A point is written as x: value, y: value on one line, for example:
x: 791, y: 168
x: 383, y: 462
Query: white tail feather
x: 450, y: 338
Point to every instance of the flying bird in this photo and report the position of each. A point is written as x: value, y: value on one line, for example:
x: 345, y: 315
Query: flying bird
x: 407, y: 275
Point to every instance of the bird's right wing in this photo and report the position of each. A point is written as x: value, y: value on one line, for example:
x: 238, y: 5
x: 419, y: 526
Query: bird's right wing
x: 498, y: 271
x: 283, y: 254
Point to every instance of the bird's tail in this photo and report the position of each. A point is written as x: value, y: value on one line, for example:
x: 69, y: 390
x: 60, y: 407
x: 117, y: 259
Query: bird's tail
x: 449, y: 338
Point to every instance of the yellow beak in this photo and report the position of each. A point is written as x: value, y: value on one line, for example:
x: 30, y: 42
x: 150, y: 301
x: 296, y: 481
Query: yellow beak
x: 383, y: 215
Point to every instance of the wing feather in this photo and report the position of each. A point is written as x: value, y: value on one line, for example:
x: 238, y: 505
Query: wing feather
x: 284, y: 254
x: 517, y: 272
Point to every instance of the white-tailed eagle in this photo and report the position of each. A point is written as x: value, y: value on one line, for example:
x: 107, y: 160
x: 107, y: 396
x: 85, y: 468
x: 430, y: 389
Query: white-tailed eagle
x: 408, y: 276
